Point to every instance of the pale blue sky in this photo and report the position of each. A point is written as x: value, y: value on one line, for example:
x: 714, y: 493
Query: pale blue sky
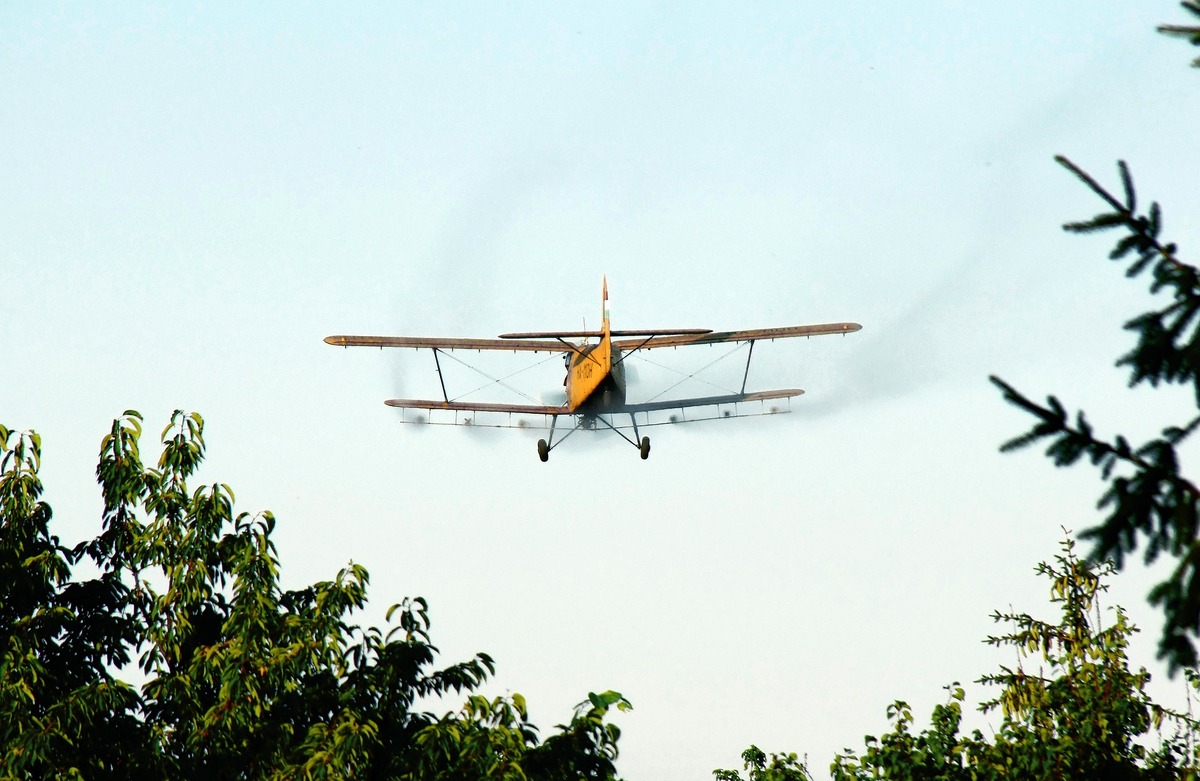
x: 194, y: 196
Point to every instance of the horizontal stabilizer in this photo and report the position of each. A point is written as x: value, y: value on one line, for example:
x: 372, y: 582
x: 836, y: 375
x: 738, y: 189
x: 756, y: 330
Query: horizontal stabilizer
x: 598, y: 334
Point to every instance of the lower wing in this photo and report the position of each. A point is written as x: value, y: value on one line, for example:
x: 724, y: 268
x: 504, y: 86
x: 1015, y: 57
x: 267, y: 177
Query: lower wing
x: 610, y: 415
x: 646, y: 406
x: 710, y: 401
x: 468, y: 406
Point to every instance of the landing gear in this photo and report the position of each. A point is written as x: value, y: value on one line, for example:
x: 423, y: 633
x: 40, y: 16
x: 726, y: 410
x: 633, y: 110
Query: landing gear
x: 544, y: 446
x: 644, y: 446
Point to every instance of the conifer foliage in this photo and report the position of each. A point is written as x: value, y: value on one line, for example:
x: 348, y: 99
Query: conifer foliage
x: 1149, y: 500
x: 239, y: 679
x: 1189, y: 32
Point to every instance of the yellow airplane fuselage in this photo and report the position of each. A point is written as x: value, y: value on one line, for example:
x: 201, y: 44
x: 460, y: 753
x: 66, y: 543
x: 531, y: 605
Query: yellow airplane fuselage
x: 595, y: 377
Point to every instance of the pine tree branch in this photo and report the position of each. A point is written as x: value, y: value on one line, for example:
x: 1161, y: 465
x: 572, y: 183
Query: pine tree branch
x: 1145, y: 228
x: 1192, y: 34
x: 1168, y: 338
x: 1155, y: 502
x: 1072, y: 443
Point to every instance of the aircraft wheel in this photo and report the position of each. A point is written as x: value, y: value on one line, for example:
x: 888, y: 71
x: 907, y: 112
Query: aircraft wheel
x: 645, y: 448
x: 544, y: 450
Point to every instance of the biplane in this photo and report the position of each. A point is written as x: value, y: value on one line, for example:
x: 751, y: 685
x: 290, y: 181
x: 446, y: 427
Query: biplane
x: 595, y: 382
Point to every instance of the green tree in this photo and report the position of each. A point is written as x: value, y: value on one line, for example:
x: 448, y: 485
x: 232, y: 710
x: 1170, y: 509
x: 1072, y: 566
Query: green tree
x: 1071, y: 708
x: 1088, y: 715
x: 242, y: 679
x: 1148, y: 499
x: 778, y: 767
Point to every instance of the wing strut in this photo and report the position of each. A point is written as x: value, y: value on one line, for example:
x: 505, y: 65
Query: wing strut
x: 438, y: 363
x: 747, y: 374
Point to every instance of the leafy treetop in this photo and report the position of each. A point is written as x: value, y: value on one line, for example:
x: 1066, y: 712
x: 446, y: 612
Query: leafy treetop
x: 242, y: 679
x: 1071, y: 708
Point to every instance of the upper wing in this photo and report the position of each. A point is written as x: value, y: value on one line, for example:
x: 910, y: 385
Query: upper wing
x: 469, y: 406
x: 446, y: 343
x: 516, y: 342
x: 750, y: 335
x: 712, y: 401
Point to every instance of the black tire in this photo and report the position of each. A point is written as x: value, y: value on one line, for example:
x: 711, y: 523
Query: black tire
x: 645, y: 448
x: 544, y: 451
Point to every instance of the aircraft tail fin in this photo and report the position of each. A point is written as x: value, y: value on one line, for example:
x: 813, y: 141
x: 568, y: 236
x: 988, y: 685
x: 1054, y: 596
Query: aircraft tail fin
x: 604, y: 321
